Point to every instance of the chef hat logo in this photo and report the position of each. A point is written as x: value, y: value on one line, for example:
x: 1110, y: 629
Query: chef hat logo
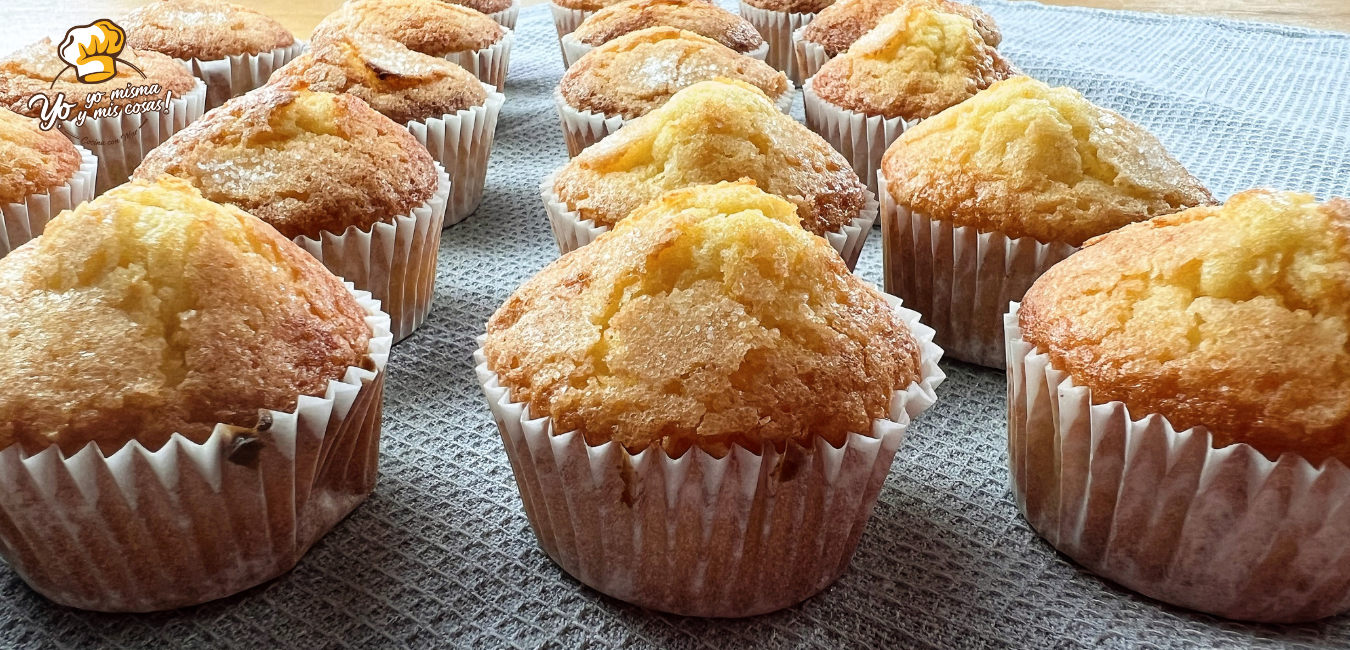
x: 92, y: 50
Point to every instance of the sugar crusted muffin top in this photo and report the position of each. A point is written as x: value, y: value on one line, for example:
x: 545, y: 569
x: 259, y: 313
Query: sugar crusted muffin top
x: 150, y: 310
x: 31, y: 71
x: 635, y: 73
x: 709, y: 132
x: 917, y: 62
x: 203, y: 29
x: 1235, y: 318
x: 427, y: 26
x: 791, y: 6
x: 1029, y: 160
x: 842, y: 23
x: 698, y: 16
x: 32, y: 161
x: 401, y: 84
x: 304, y: 162
x: 708, y: 318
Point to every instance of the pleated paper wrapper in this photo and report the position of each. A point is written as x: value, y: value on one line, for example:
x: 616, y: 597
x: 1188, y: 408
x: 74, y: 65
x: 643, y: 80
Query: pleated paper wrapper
x: 776, y: 28
x: 507, y: 17
x: 237, y: 74
x: 742, y: 535
x: 490, y: 64
x: 583, y: 128
x: 572, y: 232
x: 142, y: 530
x: 574, y: 49
x: 810, y: 55
x: 862, y: 139
x: 1160, y: 511
x: 462, y: 144
x: 121, y: 142
x: 960, y: 279
x: 28, y: 218
x: 394, y: 260
x: 566, y: 21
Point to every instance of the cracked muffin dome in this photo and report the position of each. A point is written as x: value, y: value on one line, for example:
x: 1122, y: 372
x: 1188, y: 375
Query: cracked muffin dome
x: 150, y: 311
x: 842, y: 23
x: 708, y: 318
x: 709, y: 132
x: 399, y: 83
x: 32, y: 161
x: 1234, y: 318
x: 1029, y: 160
x: 31, y: 71
x: 304, y: 162
x: 427, y: 26
x: 698, y: 16
x: 637, y: 72
x: 917, y: 62
x: 791, y: 6
x: 203, y: 29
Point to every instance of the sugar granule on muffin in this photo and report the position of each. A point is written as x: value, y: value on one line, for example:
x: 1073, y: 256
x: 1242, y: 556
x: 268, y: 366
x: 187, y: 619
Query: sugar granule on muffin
x: 698, y: 16
x: 842, y: 23
x: 203, y: 29
x: 32, y: 161
x: 427, y: 26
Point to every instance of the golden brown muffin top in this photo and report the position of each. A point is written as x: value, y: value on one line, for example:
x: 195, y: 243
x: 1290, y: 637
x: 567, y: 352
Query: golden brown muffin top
x: 637, y: 72
x: 203, y: 29
x: 844, y: 22
x: 1029, y: 160
x: 304, y: 162
x: 585, y: 5
x: 32, y: 161
x: 698, y: 16
x: 151, y: 310
x: 427, y: 26
x: 401, y: 84
x: 916, y: 63
x: 30, y: 71
x: 710, y: 132
x: 484, y: 6
x: 791, y: 6
x: 1235, y: 318
x: 707, y: 318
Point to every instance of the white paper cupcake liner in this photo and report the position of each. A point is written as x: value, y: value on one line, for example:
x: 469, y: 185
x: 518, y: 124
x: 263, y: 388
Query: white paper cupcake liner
x: 698, y: 535
x: 237, y: 74
x: 960, y: 279
x: 574, y: 49
x: 582, y: 129
x: 567, y: 21
x: 394, y: 260
x: 507, y: 17
x: 1160, y: 511
x: 490, y: 64
x: 862, y: 139
x: 776, y: 28
x: 121, y: 142
x: 141, y: 530
x: 27, y: 219
x: 572, y: 232
x: 462, y: 143
x: 810, y: 55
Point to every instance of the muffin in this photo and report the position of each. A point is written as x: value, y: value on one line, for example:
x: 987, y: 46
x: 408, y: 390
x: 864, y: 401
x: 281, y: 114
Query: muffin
x: 842, y: 23
x: 776, y: 20
x: 634, y: 74
x: 344, y: 182
x: 118, y: 142
x: 739, y: 339
x: 698, y: 16
x: 230, y: 47
x: 457, y: 34
x: 502, y: 12
x: 918, y: 62
x: 1212, y: 345
x: 41, y: 174
x: 709, y: 132
x: 1015, y: 178
x: 447, y: 109
x: 150, y: 328
x: 569, y: 14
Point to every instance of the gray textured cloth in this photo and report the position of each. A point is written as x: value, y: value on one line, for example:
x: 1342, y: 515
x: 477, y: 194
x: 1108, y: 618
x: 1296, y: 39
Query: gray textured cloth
x: 442, y: 554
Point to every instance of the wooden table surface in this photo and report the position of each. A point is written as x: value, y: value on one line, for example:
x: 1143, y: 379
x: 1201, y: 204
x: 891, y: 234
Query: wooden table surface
x: 25, y: 21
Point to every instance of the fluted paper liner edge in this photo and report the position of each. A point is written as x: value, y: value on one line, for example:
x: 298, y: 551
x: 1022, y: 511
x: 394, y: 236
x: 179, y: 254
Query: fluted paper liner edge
x: 861, y: 139
x: 507, y: 17
x: 776, y: 28
x: 811, y: 56
x: 22, y: 221
x: 574, y: 49
x: 462, y: 143
x: 490, y: 64
x: 232, y: 76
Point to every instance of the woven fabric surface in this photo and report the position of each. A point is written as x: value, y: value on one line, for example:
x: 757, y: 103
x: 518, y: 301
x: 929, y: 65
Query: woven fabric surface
x: 443, y: 556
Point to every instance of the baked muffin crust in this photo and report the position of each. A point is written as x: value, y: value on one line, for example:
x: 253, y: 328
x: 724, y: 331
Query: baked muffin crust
x: 1235, y: 318
x: 637, y: 72
x: 150, y: 310
x: 791, y: 6
x: 304, y: 162
x: 30, y: 71
x: 917, y: 62
x: 485, y: 6
x: 706, y: 318
x: 203, y: 29
x: 698, y: 16
x: 585, y: 5
x: 709, y: 132
x: 842, y: 23
x: 32, y: 161
x: 427, y: 26
x: 1029, y: 160
x: 401, y: 84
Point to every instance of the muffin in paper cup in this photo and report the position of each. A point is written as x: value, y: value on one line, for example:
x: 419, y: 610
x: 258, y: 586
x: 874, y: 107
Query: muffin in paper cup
x: 508, y: 16
x: 862, y: 138
x: 566, y: 21
x: 810, y: 55
x: 698, y: 16
x: 777, y: 27
x: 490, y: 64
x: 24, y: 220
x: 235, y: 75
x: 462, y: 143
